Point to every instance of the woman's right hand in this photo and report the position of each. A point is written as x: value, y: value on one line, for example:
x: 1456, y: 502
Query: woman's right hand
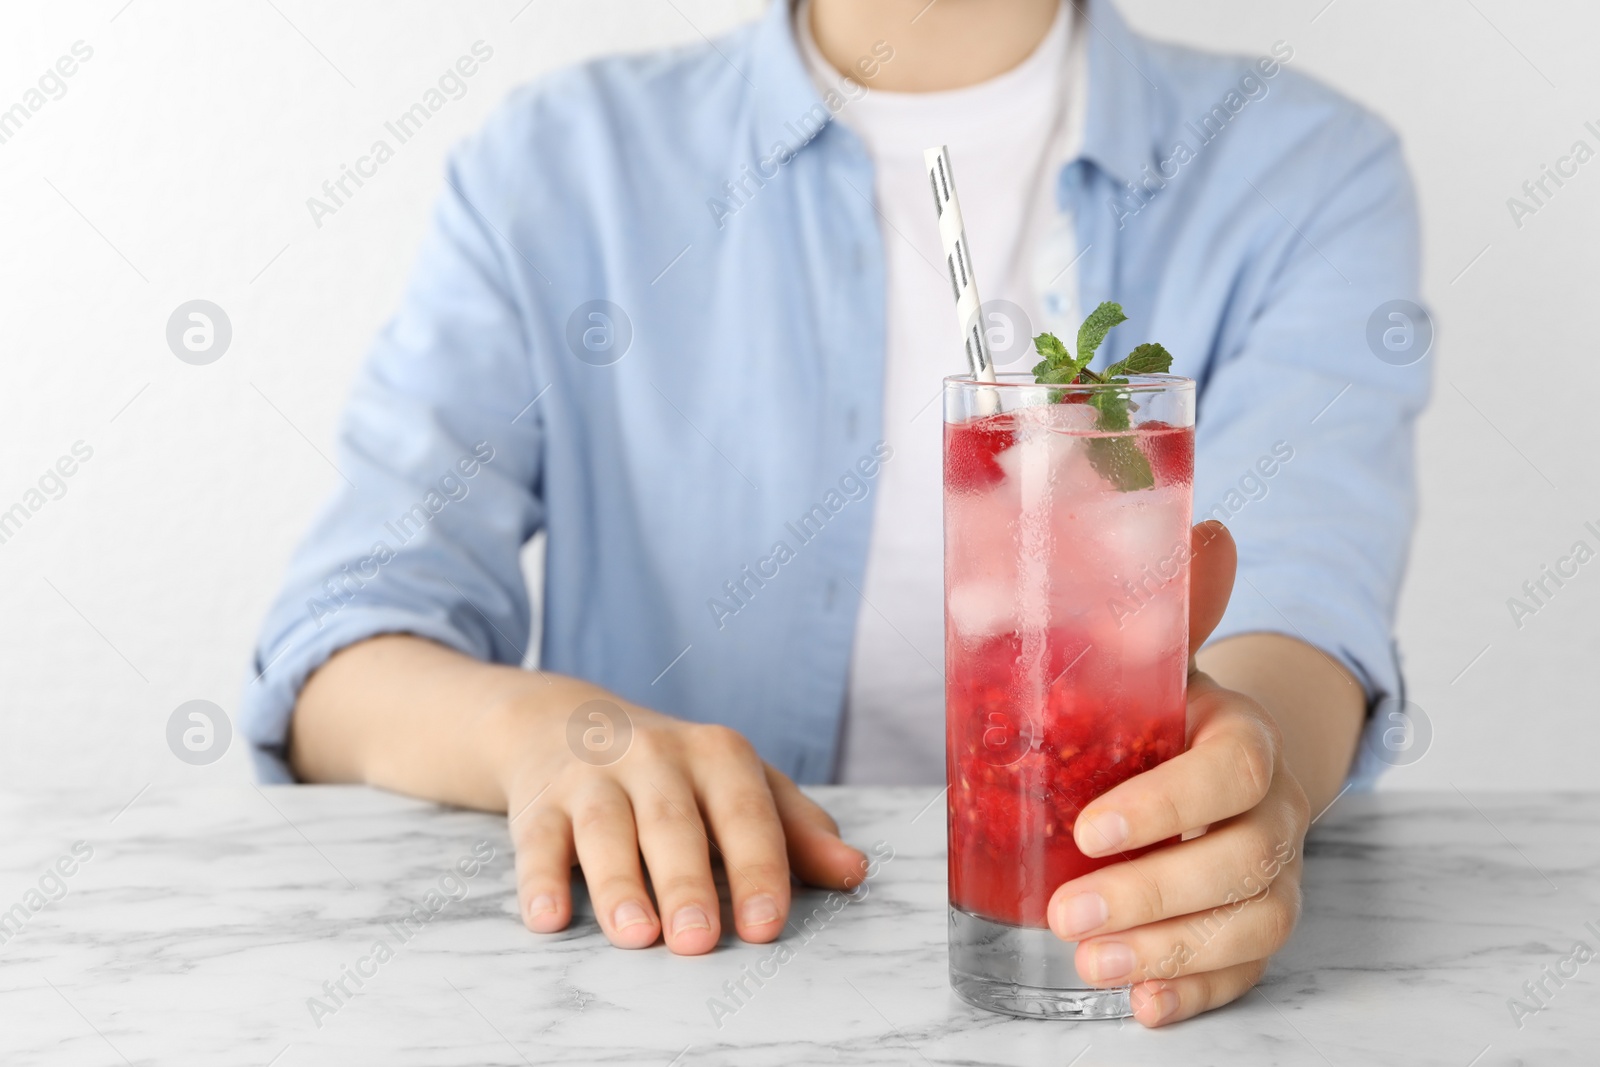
x: 599, y: 783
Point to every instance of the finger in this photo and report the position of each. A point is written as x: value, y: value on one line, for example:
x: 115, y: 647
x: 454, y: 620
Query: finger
x: 1234, y: 861
x: 678, y: 859
x: 738, y: 803
x: 1228, y: 769
x: 542, y: 837
x: 816, y: 854
x: 608, y: 851
x: 1250, y: 929
x: 1213, y: 561
x: 1159, y: 1003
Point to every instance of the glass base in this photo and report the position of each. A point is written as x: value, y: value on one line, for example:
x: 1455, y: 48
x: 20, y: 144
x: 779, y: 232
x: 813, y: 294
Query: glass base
x: 1024, y: 971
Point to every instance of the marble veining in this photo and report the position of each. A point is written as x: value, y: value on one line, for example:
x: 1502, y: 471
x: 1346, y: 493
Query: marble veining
x: 214, y: 927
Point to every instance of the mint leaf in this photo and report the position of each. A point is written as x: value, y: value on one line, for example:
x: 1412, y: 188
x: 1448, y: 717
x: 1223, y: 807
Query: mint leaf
x: 1146, y: 359
x: 1050, y: 347
x: 1119, y: 461
x: 1061, y: 374
x: 1112, y: 404
x: 1095, y: 327
x: 1058, y: 367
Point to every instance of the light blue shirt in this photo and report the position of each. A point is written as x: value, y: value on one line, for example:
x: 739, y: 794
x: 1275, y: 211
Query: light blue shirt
x: 727, y: 397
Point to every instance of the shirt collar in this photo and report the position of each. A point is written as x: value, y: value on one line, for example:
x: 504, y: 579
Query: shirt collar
x: 1118, y: 132
x: 788, y: 108
x: 1120, y: 107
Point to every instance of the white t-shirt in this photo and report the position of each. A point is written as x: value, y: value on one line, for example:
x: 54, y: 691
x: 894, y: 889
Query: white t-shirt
x: 1008, y: 139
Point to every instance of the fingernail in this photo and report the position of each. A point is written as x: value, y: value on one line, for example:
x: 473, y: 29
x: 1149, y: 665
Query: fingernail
x: 1082, y: 913
x: 541, y: 905
x: 759, y: 911
x: 1163, y: 1004
x: 1109, y: 962
x: 628, y: 914
x: 1103, y: 833
x: 689, y: 917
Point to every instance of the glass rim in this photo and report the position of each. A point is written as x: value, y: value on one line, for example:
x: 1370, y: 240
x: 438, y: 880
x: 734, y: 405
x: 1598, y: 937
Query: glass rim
x: 1136, y: 383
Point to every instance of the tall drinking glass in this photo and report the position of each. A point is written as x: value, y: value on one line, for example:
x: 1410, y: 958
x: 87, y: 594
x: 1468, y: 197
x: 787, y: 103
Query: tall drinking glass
x: 1066, y: 555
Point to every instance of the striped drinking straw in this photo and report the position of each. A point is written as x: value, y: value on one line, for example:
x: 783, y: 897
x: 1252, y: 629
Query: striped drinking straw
x: 958, y: 258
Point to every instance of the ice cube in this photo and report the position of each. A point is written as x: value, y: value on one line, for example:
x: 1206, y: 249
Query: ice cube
x: 1050, y: 459
x: 1067, y: 418
x: 1150, y: 630
x: 1141, y: 533
x: 981, y: 537
x: 982, y: 609
x: 1037, y: 452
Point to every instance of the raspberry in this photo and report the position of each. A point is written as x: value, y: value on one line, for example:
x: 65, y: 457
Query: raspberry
x: 1170, y: 450
x: 1019, y: 776
x: 970, y: 451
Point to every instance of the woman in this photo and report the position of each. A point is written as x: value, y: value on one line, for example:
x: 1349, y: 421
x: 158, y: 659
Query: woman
x: 677, y: 310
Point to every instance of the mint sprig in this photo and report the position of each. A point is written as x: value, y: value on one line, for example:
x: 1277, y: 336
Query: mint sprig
x: 1059, y: 366
x: 1117, y: 459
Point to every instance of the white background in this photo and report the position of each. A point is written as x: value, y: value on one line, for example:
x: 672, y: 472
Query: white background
x: 177, y: 167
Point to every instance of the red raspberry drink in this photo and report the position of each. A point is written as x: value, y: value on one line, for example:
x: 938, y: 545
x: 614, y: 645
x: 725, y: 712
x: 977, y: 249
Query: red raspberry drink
x: 1066, y: 654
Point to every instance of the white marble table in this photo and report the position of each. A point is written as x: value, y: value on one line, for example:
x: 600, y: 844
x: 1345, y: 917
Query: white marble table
x: 203, y: 923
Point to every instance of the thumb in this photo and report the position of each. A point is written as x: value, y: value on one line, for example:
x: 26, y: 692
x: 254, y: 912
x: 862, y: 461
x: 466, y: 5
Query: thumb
x: 1213, y: 560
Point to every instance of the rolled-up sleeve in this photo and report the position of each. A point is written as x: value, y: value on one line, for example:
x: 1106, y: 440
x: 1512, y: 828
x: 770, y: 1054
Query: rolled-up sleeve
x: 438, y: 457
x: 1305, y: 435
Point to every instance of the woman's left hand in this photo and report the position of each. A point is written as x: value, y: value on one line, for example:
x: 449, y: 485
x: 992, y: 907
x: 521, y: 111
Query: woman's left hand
x: 1192, y: 924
